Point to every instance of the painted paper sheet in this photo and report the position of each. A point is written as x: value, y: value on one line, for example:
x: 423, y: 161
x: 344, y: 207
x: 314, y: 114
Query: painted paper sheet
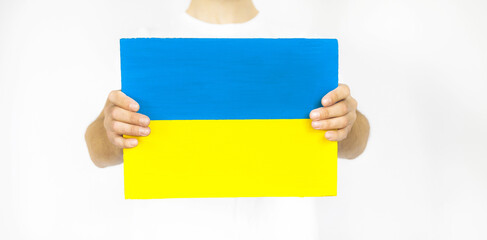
x: 229, y: 117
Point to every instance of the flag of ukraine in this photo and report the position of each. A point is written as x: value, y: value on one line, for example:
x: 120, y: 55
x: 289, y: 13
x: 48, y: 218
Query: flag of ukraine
x: 229, y: 117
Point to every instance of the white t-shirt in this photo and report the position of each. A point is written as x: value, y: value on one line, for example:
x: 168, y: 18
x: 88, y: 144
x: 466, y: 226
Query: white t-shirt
x: 225, y: 218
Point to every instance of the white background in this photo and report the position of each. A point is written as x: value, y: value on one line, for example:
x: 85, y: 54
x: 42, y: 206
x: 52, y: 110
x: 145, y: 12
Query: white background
x: 418, y: 69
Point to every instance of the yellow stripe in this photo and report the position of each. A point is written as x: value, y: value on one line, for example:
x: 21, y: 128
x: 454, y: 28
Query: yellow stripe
x: 231, y: 158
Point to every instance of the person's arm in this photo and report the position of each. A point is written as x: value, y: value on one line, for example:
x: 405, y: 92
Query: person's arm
x: 356, y: 141
x: 104, y: 137
x: 342, y: 121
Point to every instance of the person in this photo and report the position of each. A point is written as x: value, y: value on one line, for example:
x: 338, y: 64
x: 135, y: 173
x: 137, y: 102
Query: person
x: 338, y: 116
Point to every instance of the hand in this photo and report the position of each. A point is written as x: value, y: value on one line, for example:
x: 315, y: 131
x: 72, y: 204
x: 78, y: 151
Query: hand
x: 337, y: 115
x: 121, y: 118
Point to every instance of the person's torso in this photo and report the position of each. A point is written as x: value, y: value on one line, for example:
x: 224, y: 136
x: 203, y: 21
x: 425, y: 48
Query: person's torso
x: 226, y: 218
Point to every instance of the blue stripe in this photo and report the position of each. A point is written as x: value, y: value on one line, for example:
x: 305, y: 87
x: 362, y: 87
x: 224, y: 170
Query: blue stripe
x: 208, y: 78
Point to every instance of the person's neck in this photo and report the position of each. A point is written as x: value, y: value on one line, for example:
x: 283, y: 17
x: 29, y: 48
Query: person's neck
x: 222, y: 11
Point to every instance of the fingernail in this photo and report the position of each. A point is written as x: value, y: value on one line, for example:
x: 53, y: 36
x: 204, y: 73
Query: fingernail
x: 315, y: 124
x: 134, y: 106
x: 314, y: 115
x: 328, y: 135
x: 132, y: 142
x: 144, y: 131
x: 325, y: 101
x: 144, y: 121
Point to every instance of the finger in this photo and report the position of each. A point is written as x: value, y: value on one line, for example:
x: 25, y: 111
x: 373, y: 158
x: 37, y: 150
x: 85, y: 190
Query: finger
x: 122, y: 142
x: 340, y: 93
x: 338, y: 135
x: 119, y: 99
x: 336, y: 110
x: 330, y: 124
x: 122, y: 115
x: 122, y: 128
